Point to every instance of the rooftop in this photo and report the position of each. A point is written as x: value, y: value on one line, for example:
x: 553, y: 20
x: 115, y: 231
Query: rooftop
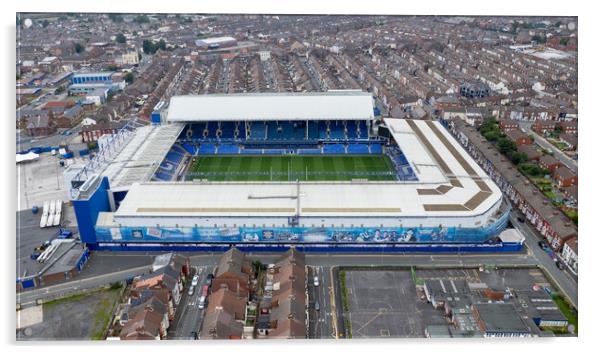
x: 334, y: 105
x: 500, y: 317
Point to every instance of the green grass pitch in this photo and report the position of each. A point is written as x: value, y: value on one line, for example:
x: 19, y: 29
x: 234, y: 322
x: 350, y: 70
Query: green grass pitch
x: 291, y: 168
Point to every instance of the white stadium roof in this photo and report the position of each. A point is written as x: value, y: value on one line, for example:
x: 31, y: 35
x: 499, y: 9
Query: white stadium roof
x: 140, y: 157
x: 214, y: 40
x: 450, y: 184
x: 332, y: 105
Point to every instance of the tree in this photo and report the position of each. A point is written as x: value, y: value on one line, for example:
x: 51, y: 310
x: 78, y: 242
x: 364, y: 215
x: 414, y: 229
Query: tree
x: 18, y: 76
x: 161, y: 45
x: 141, y: 19
x: 45, y: 23
x: 506, y: 146
x: 120, y: 38
x: 115, y: 17
x: 148, y: 47
x: 491, y: 136
x: 129, y: 78
x: 79, y: 48
x: 538, y: 39
x: 518, y: 157
x: 564, y: 41
x: 111, y: 67
x: 59, y: 90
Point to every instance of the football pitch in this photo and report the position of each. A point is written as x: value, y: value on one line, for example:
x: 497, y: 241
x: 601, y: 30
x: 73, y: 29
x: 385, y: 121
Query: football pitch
x: 291, y: 168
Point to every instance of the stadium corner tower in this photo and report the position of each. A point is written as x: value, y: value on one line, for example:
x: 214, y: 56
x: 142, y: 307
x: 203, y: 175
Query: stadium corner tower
x: 268, y: 171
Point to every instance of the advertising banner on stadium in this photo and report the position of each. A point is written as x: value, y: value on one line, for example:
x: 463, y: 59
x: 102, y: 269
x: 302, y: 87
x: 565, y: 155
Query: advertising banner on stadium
x: 300, y: 234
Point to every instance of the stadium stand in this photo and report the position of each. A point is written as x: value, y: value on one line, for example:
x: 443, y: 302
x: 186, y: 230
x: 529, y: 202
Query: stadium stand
x: 375, y: 148
x: 206, y: 149
x: 258, y: 131
x: 227, y: 149
x: 358, y: 149
x: 309, y: 151
x: 334, y: 149
x: 402, y: 166
x: 337, y: 131
x: 227, y: 130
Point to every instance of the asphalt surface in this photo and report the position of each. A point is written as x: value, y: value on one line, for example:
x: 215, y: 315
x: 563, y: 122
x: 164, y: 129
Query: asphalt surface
x: 189, y: 316
x: 320, y: 321
x: 564, y: 280
x: 385, y: 304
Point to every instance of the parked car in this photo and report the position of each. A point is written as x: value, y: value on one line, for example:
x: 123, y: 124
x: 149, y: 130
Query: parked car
x: 541, y: 244
x: 191, y: 290
x: 202, y: 301
x: 317, y: 306
x: 559, y: 265
x: 195, y: 280
x: 316, y: 282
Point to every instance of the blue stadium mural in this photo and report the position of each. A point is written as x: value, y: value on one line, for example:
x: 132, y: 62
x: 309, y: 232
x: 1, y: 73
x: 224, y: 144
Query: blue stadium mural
x: 299, y: 234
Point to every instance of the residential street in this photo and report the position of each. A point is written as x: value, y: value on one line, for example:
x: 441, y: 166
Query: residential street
x: 189, y: 316
x: 569, y: 162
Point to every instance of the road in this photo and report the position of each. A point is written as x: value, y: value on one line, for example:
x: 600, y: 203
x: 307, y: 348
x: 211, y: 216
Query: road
x: 567, y: 161
x: 27, y: 298
x: 323, y: 262
x: 320, y: 321
x: 566, y: 281
x: 189, y: 316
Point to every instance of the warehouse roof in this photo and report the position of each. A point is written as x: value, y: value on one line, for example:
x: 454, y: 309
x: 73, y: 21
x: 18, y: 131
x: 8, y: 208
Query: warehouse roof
x: 333, y: 105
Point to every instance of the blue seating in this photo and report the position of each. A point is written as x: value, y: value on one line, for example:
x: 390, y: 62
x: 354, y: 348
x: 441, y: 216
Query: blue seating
x: 167, y: 166
x: 323, y: 127
x: 402, y: 166
x: 189, y: 148
x: 337, y: 130
x: 363, y: 130
x: 376, y: 149
x: 274, y: 151
x: 227, y: 149
x: 206, y: 149
x: 162, y: 176
x: 309, y: 151
x: 257, y: 131
x: 299, y: 130
x: 227, y: 129
x: 313, y: 131
x: 251, y: 151
x: 212, y: 128
x: 273, y: 130
x: 359, y: 149
x: 334, y: 149
x: 174, y: 157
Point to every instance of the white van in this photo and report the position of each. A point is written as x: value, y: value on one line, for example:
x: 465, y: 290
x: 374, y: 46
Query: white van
x: 202, y: 302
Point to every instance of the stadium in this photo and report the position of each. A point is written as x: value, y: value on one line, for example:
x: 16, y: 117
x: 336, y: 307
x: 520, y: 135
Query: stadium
x: 270, y: 171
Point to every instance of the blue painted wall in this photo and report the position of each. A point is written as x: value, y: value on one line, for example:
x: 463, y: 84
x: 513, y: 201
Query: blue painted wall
x: 86, y: 211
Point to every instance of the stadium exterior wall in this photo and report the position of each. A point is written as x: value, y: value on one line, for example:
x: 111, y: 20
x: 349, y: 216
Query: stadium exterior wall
x: 299, y: 235
x: 87, y: 210
x: 317, y: 248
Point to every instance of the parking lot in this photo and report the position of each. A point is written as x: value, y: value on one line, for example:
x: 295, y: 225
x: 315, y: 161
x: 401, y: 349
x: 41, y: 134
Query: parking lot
x: 520, y: 279
x: 385, y: 304
x: 30, y: 235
